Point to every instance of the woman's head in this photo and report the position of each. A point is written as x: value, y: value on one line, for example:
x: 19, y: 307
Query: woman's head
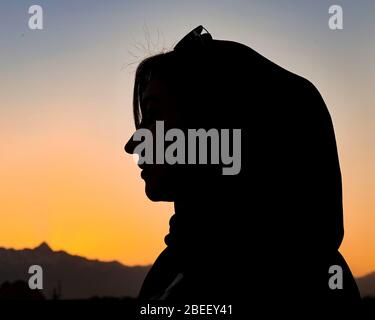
x: 186, y: 89
x: 226, y: 85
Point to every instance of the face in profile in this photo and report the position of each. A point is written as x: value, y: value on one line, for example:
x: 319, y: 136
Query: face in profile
x: 157, y: 104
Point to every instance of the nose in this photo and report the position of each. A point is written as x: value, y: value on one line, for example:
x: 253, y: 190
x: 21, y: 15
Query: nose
x: 130, y: 145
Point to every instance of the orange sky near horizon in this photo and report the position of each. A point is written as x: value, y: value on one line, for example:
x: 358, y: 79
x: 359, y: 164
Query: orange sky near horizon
x: 65, y: 115
x: 84, y: 202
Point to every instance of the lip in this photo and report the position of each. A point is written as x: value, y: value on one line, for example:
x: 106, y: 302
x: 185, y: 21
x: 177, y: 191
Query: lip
x: 143, y: 174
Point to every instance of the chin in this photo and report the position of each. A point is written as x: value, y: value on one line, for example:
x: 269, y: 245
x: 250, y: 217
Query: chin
x: 157, y: 193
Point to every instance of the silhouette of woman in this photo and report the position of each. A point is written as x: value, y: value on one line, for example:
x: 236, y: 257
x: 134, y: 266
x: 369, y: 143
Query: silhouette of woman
x: 269, y: 233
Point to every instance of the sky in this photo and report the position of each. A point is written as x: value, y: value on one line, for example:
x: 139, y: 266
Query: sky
x: 65, y: 113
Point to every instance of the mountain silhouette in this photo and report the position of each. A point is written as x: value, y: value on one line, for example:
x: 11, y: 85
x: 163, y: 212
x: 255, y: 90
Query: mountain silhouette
x: 69, y: 276
x: 366, y: 285
x: 80, y: 278
x: 43, y: 248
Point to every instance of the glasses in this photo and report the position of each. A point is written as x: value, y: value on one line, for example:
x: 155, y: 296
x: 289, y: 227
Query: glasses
x: 194, y: 39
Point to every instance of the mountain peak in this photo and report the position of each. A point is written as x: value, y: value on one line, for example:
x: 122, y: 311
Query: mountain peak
x: 43, y: 247
x: 75, y: 274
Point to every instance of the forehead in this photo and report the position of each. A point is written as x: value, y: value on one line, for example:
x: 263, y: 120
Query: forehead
x: 155, y: 89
